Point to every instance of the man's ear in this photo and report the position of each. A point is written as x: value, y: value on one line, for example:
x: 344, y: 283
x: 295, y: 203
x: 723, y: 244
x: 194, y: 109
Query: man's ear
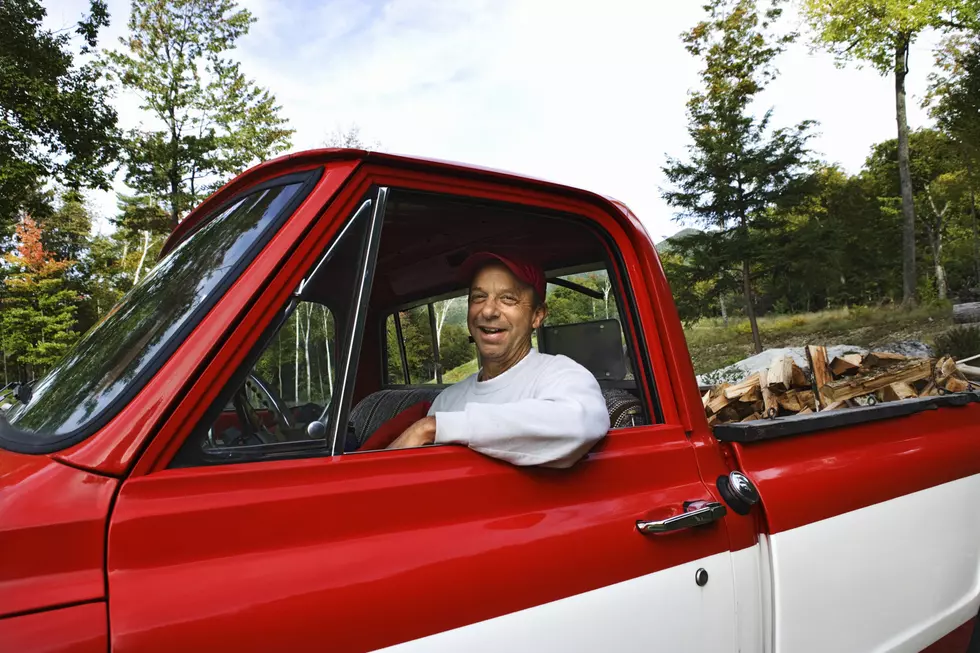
x: 540, y: 313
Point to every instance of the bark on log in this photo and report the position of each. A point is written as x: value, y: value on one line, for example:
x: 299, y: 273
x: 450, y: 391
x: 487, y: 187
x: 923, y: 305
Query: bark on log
x: 964, y: 313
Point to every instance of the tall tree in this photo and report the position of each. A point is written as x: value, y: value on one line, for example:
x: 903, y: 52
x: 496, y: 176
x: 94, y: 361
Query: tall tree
x: 739, y: 169
x: 954, y: 100
x: 55, y: 119
x: 211, y: 121
x: 880, y: 32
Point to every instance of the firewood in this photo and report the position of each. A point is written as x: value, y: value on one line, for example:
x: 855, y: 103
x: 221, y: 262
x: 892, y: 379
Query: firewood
x: 847, y: 364
x: 718, y: 400
x: 834, y: 405
x: 795, y: 400
x: 752, y: 417
x: 768, y: 398
x: 912, y: 370
x: 728, y: 414
x: 929, y: 390
x: 799, y: 378
x: 751, y: 395
x: 759, y: 407
x: 712, y: 420
x: 817, y: 356
x: 881, y: 359
x: 780, y: 374
x: 806, y: 410
x: 954, y: 384
x: 898, y: 391
x: 740, y: 388
x: 705, y: 398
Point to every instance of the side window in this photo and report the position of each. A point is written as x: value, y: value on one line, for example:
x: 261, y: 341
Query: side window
x: 417, y: 334
x: 281, y: 402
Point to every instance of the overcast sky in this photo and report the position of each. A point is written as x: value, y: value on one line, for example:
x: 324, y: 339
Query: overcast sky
x: 590, y: 94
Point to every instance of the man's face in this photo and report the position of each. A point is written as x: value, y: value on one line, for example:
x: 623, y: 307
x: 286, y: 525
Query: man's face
x: 502, y: 314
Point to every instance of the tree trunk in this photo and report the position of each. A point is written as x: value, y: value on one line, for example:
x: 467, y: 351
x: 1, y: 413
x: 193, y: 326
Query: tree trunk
x: 326, y: 341
x: 973, y: 217
x: 905, y: 176
x: 146, y: 248
x: 724, y: 310
x: 296, y: 364
x: 309, y: 375
x: 966, y: 313
x: 750, y: 308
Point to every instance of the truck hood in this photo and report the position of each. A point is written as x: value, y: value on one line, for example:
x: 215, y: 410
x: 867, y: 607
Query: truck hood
x: 52, y: 533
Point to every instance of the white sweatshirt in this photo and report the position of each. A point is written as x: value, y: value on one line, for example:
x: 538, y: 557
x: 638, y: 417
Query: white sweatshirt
x: 546, y: 410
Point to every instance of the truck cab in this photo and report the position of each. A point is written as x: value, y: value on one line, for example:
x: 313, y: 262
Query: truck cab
x: 201, y: 472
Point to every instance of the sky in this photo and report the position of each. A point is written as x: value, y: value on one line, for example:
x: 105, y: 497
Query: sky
x: 588, y: 94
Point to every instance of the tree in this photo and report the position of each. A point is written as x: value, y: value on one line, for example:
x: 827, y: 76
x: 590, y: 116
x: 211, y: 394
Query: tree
x: 38, y: 313
x: 880, y: 33
x: 740, y: 170
x: 954, y: 100
x: 55, y: 119
x: 212, y: 120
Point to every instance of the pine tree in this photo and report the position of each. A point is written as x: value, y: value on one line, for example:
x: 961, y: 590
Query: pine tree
x: 740, y: 169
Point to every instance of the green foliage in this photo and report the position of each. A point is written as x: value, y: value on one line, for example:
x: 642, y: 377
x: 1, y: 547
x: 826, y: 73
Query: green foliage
x: 214, y: 120
x: 740, y: 169
x: 959, y: 342
x: 55, y: 120
x: 869, y: 31
x: 39, y: 306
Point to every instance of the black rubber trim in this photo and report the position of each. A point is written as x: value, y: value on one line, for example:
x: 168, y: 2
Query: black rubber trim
x: 28, y: 442
x: 782, y: 427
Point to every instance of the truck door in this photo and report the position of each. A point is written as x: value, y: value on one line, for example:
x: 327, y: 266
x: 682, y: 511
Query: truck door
x: 873, y: 532
x: 291, y: 545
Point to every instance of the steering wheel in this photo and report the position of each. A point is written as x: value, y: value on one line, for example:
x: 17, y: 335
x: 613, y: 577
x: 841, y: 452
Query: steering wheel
x: 271, y: 401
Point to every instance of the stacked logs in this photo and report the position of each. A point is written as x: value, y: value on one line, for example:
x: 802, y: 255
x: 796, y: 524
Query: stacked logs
x: 844, y: 382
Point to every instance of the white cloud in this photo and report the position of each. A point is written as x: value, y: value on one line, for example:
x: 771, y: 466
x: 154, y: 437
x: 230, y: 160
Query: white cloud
x: 587, y: 94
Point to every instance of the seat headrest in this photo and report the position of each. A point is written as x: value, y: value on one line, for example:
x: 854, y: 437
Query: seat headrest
x: 596, y: 346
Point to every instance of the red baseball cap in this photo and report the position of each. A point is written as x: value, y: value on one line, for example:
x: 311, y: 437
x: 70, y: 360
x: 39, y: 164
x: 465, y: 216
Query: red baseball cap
x: 529, y: 273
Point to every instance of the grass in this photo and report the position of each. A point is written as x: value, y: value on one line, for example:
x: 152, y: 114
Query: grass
x: 713, y: 345
x: 459, y: 373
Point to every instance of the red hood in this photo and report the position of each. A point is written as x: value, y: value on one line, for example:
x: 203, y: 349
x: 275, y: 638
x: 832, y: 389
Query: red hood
x: 52, y: 530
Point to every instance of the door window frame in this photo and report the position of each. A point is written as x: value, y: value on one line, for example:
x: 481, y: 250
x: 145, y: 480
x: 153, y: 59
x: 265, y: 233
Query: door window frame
x: 476, y: 189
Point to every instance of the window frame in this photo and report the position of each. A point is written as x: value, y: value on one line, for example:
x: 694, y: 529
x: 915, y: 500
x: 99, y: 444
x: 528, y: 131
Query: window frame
x: 344, y: 376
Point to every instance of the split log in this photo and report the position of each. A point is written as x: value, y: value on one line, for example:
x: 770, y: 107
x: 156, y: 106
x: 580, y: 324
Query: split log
x: 780, y: 374
x: 878, y: 359
x: 752, y: 417
x: 834, y: 405
x: 705, y: 398
x: 913, y: 370
x: 795, y: 400
x: 718, y: 400
x: 799, y: 378
x: 954, y: 384
x: 964, y: 313
x: 898, y: 391
x: 930, y: 389
x: 740, y: 388
x: 847, y: 364
x: 817, y: 355
x: 806, y: 410
x: 751, y: 395
x: 768, y: 398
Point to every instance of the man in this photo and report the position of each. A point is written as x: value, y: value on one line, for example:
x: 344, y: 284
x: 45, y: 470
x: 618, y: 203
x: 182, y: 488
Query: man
x: 522, y: 406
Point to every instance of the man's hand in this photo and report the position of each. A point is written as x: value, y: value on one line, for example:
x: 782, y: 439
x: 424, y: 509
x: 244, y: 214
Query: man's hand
x: 420, y: 433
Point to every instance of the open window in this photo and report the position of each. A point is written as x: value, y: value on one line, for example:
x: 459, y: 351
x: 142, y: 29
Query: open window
x: 380, y: 325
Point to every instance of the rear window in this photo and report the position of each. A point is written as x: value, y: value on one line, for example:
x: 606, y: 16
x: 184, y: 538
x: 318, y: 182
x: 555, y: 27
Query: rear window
x: 118, y: 355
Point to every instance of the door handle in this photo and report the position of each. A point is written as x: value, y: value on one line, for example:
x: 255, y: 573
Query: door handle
x: 709, y: 513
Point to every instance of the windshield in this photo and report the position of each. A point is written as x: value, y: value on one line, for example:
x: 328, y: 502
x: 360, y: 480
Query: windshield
x: 121, y: 351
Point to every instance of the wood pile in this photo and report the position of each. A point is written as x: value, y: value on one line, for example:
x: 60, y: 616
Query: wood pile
x: 843, y: 382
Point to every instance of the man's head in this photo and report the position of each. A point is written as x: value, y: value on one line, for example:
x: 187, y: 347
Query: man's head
x: 506, y: 304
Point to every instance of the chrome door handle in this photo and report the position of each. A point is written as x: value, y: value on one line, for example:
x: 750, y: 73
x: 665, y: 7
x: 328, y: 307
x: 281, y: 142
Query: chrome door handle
x: 709, y: 513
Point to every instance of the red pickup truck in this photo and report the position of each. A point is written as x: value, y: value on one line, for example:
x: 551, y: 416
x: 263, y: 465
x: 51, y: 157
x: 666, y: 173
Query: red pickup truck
x: 197, y: 475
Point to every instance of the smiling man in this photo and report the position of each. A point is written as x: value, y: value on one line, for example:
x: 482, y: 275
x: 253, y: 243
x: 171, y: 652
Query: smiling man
x: 522, y: 406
